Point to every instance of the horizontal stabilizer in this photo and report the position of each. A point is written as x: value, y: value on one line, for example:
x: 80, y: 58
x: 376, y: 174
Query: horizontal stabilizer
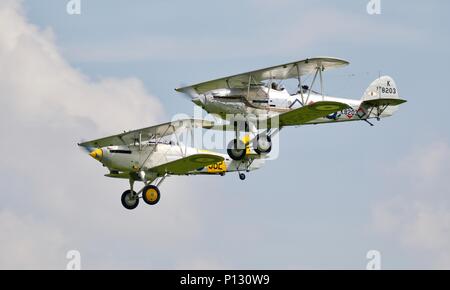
x: 383, y: 102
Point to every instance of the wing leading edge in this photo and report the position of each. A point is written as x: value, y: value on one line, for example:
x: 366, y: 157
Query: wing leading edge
x: 284, y: 71
x: 148, y: 133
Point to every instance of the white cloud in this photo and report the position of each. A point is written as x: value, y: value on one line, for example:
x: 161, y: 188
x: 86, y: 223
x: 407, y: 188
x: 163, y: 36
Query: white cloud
x: 37, y: 83
x: 427, y: 164
x: 417, y: 215
x: 54, y: 197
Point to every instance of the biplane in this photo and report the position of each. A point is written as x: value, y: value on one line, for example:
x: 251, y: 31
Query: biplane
x: 146, y: 155
x: 250, y: 99
x: 252, y: 103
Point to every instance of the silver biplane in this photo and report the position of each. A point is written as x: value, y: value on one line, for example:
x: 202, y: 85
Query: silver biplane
x: 145, y: 155
x: 256, y: 96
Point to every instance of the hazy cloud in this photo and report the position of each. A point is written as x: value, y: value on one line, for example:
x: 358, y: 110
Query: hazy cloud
x: 417, y: 214
x: 54, y: 196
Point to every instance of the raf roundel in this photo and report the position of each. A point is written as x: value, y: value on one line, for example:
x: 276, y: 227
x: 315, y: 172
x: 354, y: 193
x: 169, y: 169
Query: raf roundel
x: 327, y: 107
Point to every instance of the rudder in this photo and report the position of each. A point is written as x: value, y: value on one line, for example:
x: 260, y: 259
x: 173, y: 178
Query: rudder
x: 382, y: 88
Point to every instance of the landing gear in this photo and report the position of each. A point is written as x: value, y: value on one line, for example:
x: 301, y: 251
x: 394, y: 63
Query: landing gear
x: 130, y: 199
x: 236, y: 150
x: 151, y: 194
x: 262, y: 144
x: 241, y: 176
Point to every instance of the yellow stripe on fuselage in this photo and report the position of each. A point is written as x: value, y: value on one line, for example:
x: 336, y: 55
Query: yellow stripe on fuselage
x: 217, y: 167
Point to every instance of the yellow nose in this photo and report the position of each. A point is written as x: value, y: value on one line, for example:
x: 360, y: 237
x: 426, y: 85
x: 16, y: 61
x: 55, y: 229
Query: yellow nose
x: 96, y: 154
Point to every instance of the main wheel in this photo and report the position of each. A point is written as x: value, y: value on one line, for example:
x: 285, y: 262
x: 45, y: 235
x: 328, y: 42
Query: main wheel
x: 263, y: 144
x: 236, y: 149
x: 151, y: 194
x: 130, y: 200
x: 241, y: 176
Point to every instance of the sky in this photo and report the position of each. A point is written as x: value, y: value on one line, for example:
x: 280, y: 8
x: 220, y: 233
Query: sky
x: 334, y: 193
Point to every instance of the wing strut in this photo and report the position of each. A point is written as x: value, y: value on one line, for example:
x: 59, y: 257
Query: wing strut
x: 300, y: 87
x: 321, y: 82
x: 140, y: 141
x: 156, y: 144
x: 312, y: 84
x: 318, y: 72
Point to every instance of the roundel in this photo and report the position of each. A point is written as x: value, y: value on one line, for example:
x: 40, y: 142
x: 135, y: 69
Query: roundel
x: 204, y: 159
x: 327, y: 107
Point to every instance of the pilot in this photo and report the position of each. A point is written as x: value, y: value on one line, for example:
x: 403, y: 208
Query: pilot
x: 275, y: 86
x: 305, y: 89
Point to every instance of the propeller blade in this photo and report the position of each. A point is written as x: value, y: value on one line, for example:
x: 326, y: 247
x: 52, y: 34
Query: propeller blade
x: 193, y: 96
x: 86, y: 149
x: 190, y: 93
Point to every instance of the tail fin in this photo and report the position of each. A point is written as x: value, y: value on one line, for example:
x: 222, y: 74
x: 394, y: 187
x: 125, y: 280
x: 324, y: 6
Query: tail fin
x: 381, y: 98
x: 381, y: 88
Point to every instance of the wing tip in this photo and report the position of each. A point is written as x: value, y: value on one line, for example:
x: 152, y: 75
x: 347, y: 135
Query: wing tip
x: 346, y: 62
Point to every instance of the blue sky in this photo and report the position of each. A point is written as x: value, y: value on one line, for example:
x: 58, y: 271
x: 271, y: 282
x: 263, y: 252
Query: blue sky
x: 334, y: 193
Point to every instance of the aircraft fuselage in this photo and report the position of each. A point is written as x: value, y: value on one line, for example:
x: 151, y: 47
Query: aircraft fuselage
x: 263, y: 103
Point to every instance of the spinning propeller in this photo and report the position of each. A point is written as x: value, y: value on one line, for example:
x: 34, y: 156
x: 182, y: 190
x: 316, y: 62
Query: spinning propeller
x: 95, y: 153
x: 193, y: 96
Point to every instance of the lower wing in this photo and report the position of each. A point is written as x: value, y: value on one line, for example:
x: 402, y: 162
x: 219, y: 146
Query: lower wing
x: 187, y: 164
x: 308, y: 113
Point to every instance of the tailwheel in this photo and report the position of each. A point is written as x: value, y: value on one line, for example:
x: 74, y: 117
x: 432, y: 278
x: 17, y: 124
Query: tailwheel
x: 236, y: 150
x: 151, y: 194
x: 130, y: 199
x: 263, y: 144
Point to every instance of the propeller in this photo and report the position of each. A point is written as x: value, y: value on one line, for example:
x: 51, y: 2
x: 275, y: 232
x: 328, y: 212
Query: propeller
x: 193, y: 96
x: 85, y: 149
x: 188, y: 92
x: 94, y: 152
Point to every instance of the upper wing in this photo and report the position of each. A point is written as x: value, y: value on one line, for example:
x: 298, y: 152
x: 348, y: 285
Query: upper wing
x: 284, y: 71
x: 187, y: 164
x: 309, y: 113
x: 148, y: 133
